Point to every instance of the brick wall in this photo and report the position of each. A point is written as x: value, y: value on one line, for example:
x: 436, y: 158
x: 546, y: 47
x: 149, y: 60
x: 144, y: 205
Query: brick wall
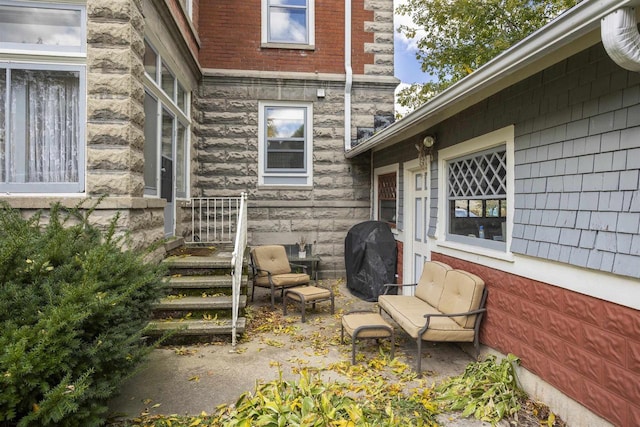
x: 231, y: 38
x: 585, y: 347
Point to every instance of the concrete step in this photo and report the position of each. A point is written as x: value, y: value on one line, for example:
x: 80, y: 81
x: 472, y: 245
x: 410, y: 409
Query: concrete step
x: 197, y: 303
x: 220, y: 260
x: 195, y: 327
x: 178, y: 282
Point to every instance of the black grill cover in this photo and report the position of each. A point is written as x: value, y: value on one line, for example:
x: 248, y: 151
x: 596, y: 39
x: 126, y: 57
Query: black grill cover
x: 370, y: 256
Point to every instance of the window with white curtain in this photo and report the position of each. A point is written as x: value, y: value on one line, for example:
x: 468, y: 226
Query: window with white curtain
x: 42, y: 98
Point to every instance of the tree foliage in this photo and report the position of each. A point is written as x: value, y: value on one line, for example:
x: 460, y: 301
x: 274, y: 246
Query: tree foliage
x: 73, y: 306
x: 459, y: 36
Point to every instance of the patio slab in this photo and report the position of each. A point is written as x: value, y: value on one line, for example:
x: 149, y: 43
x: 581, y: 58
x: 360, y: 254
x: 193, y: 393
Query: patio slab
x: 187, y: 380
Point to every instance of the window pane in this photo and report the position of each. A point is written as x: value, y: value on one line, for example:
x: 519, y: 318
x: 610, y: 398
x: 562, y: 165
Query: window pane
x: 150, y: 145
x: 283, y: 160
x: 285, y: 123
x: 167, y: 82
x: 45, y: 126
x: 288, y: 24
x: 182, y: 98
x: 150, y: 61
x: 181, y: 159
x: 40, y: 26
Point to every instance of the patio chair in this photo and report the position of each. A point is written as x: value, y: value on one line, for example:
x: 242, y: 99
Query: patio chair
x: 272, y: 269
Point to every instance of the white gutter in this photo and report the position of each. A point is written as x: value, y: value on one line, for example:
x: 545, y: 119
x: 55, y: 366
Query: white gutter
x: 621, y: 39
x: 551, y: 43
x: 349, y: 75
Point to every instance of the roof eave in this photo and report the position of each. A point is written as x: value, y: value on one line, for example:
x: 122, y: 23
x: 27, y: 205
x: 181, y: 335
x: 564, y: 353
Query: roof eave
x: 566, y: 35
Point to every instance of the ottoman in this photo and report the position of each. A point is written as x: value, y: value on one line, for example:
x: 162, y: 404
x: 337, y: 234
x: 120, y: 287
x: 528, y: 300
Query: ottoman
x: 365, y: 324
x: 307, y: 295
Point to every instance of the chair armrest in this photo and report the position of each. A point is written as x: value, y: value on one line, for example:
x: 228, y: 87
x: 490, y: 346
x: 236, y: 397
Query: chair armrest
x: 303, y: 267
x: 258, y: 270
x: 468, y: 313
x: 388, y: 286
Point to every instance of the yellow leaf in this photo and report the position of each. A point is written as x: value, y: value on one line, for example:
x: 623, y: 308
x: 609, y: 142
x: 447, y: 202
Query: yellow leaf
x: 196, y: 422
x: 195, y: 378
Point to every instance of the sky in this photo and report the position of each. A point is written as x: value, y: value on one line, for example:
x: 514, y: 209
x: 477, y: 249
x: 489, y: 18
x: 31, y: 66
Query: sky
x: 407, y: 67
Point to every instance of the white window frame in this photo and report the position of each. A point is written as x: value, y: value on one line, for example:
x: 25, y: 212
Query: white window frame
x: 286, y: 179
x: 47, y: 57
x: 19, y: 48
x: 385, y: 170
x: 311, y: 33
x: 153, y: 86
x: 501, y: 137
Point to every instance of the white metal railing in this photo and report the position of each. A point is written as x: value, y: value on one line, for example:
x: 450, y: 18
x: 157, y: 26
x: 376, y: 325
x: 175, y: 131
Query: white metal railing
x: 237, y: 264
x: 214, y: 219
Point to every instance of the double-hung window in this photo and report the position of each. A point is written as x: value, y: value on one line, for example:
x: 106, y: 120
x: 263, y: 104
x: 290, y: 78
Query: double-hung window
x: 478, y: 190
x: 288, y: 22
x: 285, y: 144
x: 42, y: 93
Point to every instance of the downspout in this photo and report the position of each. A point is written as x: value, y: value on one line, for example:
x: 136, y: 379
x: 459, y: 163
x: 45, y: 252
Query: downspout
x: 621, y: 38
x: 349, y: 75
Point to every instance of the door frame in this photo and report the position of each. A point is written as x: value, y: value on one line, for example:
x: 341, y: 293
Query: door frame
x: 411, y: 168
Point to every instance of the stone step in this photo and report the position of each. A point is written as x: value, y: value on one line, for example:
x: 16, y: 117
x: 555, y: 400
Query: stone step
x: 218, y: 261
x: 197, y: 303
x: 195, y: 327
x: 178, y: 282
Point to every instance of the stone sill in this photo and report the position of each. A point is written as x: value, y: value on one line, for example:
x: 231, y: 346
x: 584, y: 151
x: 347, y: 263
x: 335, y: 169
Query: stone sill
x: 45, y: 202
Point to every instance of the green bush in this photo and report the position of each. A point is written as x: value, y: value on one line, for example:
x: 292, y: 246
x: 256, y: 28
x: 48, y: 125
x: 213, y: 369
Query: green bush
x: 73, y: 306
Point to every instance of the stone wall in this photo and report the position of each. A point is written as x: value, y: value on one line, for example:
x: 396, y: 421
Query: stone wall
x: 226, y: 162
x: 115, y: 96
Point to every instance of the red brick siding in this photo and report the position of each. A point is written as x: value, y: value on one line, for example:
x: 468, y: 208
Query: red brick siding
x: 586, y: 347
x: 231, y: 36
x: 183, y: 23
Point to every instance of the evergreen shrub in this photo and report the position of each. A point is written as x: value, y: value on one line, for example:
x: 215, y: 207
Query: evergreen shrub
x: 73, y: 307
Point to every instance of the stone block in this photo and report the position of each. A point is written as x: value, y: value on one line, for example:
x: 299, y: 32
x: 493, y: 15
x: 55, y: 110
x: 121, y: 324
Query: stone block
x: 115, y: 183
x: 111, y: 33
x: 109, y: 110
x: 111, y: 159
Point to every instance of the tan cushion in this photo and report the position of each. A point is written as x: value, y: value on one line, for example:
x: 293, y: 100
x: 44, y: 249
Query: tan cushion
x: 309, y: 293
x: 272, y: 258
x: 407, y: 311
x: 462, y: 292
x: 431, y: 282
x: 353, y: 321
x: 289, y: 279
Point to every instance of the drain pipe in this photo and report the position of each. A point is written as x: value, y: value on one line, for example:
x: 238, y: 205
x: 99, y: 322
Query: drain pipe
x: 621, y: 38
x: 349, y: 75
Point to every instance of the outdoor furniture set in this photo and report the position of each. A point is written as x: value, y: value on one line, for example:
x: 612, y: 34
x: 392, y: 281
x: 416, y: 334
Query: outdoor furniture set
x: 447, y: 305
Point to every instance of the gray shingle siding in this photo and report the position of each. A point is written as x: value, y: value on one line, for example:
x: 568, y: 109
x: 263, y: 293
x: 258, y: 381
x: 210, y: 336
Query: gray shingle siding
x: 584, y: 169
x: 577, y: 161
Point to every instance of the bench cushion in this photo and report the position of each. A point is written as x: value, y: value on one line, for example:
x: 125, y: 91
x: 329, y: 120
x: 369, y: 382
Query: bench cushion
x: 462, y: 292
x: 409, y: 311
x: 431, y: 282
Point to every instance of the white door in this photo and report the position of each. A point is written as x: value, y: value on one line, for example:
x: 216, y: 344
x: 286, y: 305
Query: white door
x: 417, y: 214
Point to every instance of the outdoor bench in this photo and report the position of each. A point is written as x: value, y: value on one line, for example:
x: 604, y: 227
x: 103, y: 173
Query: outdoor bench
x: 448, y: 305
